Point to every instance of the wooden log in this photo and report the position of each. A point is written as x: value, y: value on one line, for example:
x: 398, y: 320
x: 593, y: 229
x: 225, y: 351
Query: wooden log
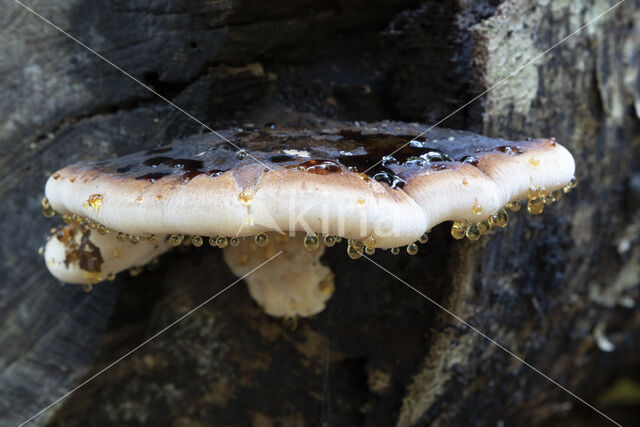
x: 554, y: 289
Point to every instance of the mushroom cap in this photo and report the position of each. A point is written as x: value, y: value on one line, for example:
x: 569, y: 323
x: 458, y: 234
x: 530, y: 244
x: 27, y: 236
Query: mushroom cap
x: 327, y: 182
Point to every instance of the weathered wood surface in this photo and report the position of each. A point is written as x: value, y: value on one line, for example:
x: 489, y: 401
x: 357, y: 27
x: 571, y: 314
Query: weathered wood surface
x: 380, y: 354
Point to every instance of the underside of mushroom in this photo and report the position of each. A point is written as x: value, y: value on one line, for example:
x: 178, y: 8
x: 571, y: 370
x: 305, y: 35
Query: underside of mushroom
x: 378, y: 188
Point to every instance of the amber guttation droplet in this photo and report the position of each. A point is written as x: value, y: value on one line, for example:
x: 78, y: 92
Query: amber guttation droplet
x: 573, y: 183
x: 246, y: 197
x: 120, y: 236
x: 197, y: 241
x: 485, y: 227
x: 424, y: 238
x: 514, y: 206
x: 311, y: 241
x: 476, y: 209
x: 134, y: 271
x: 370, y: 242
x: 362, y: 176
x: 395, y: 251
x: 234, y: 241
x: 500, y: 219
x: 369, y: 251
x: 152, y: 237
x: 534, y: 162
x: 338, y: 239
x: 92, y: 277
x: 551, y: 142
x: 329, y: 240
x: 491, y: 222
x: 47, y: 210
x: 473, y: 232
x: 213, y: 241
x: 355, y: 249
x: 261, y: 239
x: 241, y: 154
x: 111, y: 277
x: 56, y: 175
x: 412, y: 249
x: 176, y: 239
x: 87, y: 287
x: 134, y: 239
x: 222, y: 242
x: 459, y: 230
x: 556, y: 195
x: 535, y: 206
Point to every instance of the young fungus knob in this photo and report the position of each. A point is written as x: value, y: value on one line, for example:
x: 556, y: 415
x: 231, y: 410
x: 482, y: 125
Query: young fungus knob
x: 294, y: 284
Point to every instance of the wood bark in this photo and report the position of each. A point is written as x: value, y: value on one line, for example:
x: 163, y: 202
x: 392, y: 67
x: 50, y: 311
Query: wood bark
x: 551, y: 288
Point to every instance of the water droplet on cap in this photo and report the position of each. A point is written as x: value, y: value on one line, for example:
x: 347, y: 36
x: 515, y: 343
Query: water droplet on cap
x: 197, y: 241
x: 311, y: 241
x: 535, y: 206
x: 370, y: 242
x: 176, y: 239
x: 355, y: 249
x: 261, y: 239
x: 222, y: 242
x: 473, y: 232
x: 485, y: 227
x: 501, y: 218
x: 246, y: 197
x: 514, y: 206
x: 47, y: 210
x: 458, y: 230
x: 329, y: 240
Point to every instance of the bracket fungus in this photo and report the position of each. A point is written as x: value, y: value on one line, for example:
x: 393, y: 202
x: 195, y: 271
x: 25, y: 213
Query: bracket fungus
x: 377, y: 187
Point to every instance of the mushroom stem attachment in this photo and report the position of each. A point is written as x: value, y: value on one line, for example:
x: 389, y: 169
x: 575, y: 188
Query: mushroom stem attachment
x: 293, y: 284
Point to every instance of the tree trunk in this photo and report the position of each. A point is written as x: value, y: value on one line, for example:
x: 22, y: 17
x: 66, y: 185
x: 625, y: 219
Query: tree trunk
x: 557, y: 289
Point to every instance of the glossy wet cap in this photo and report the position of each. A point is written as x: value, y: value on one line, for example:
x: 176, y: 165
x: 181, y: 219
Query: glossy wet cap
x: 364, y: 183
